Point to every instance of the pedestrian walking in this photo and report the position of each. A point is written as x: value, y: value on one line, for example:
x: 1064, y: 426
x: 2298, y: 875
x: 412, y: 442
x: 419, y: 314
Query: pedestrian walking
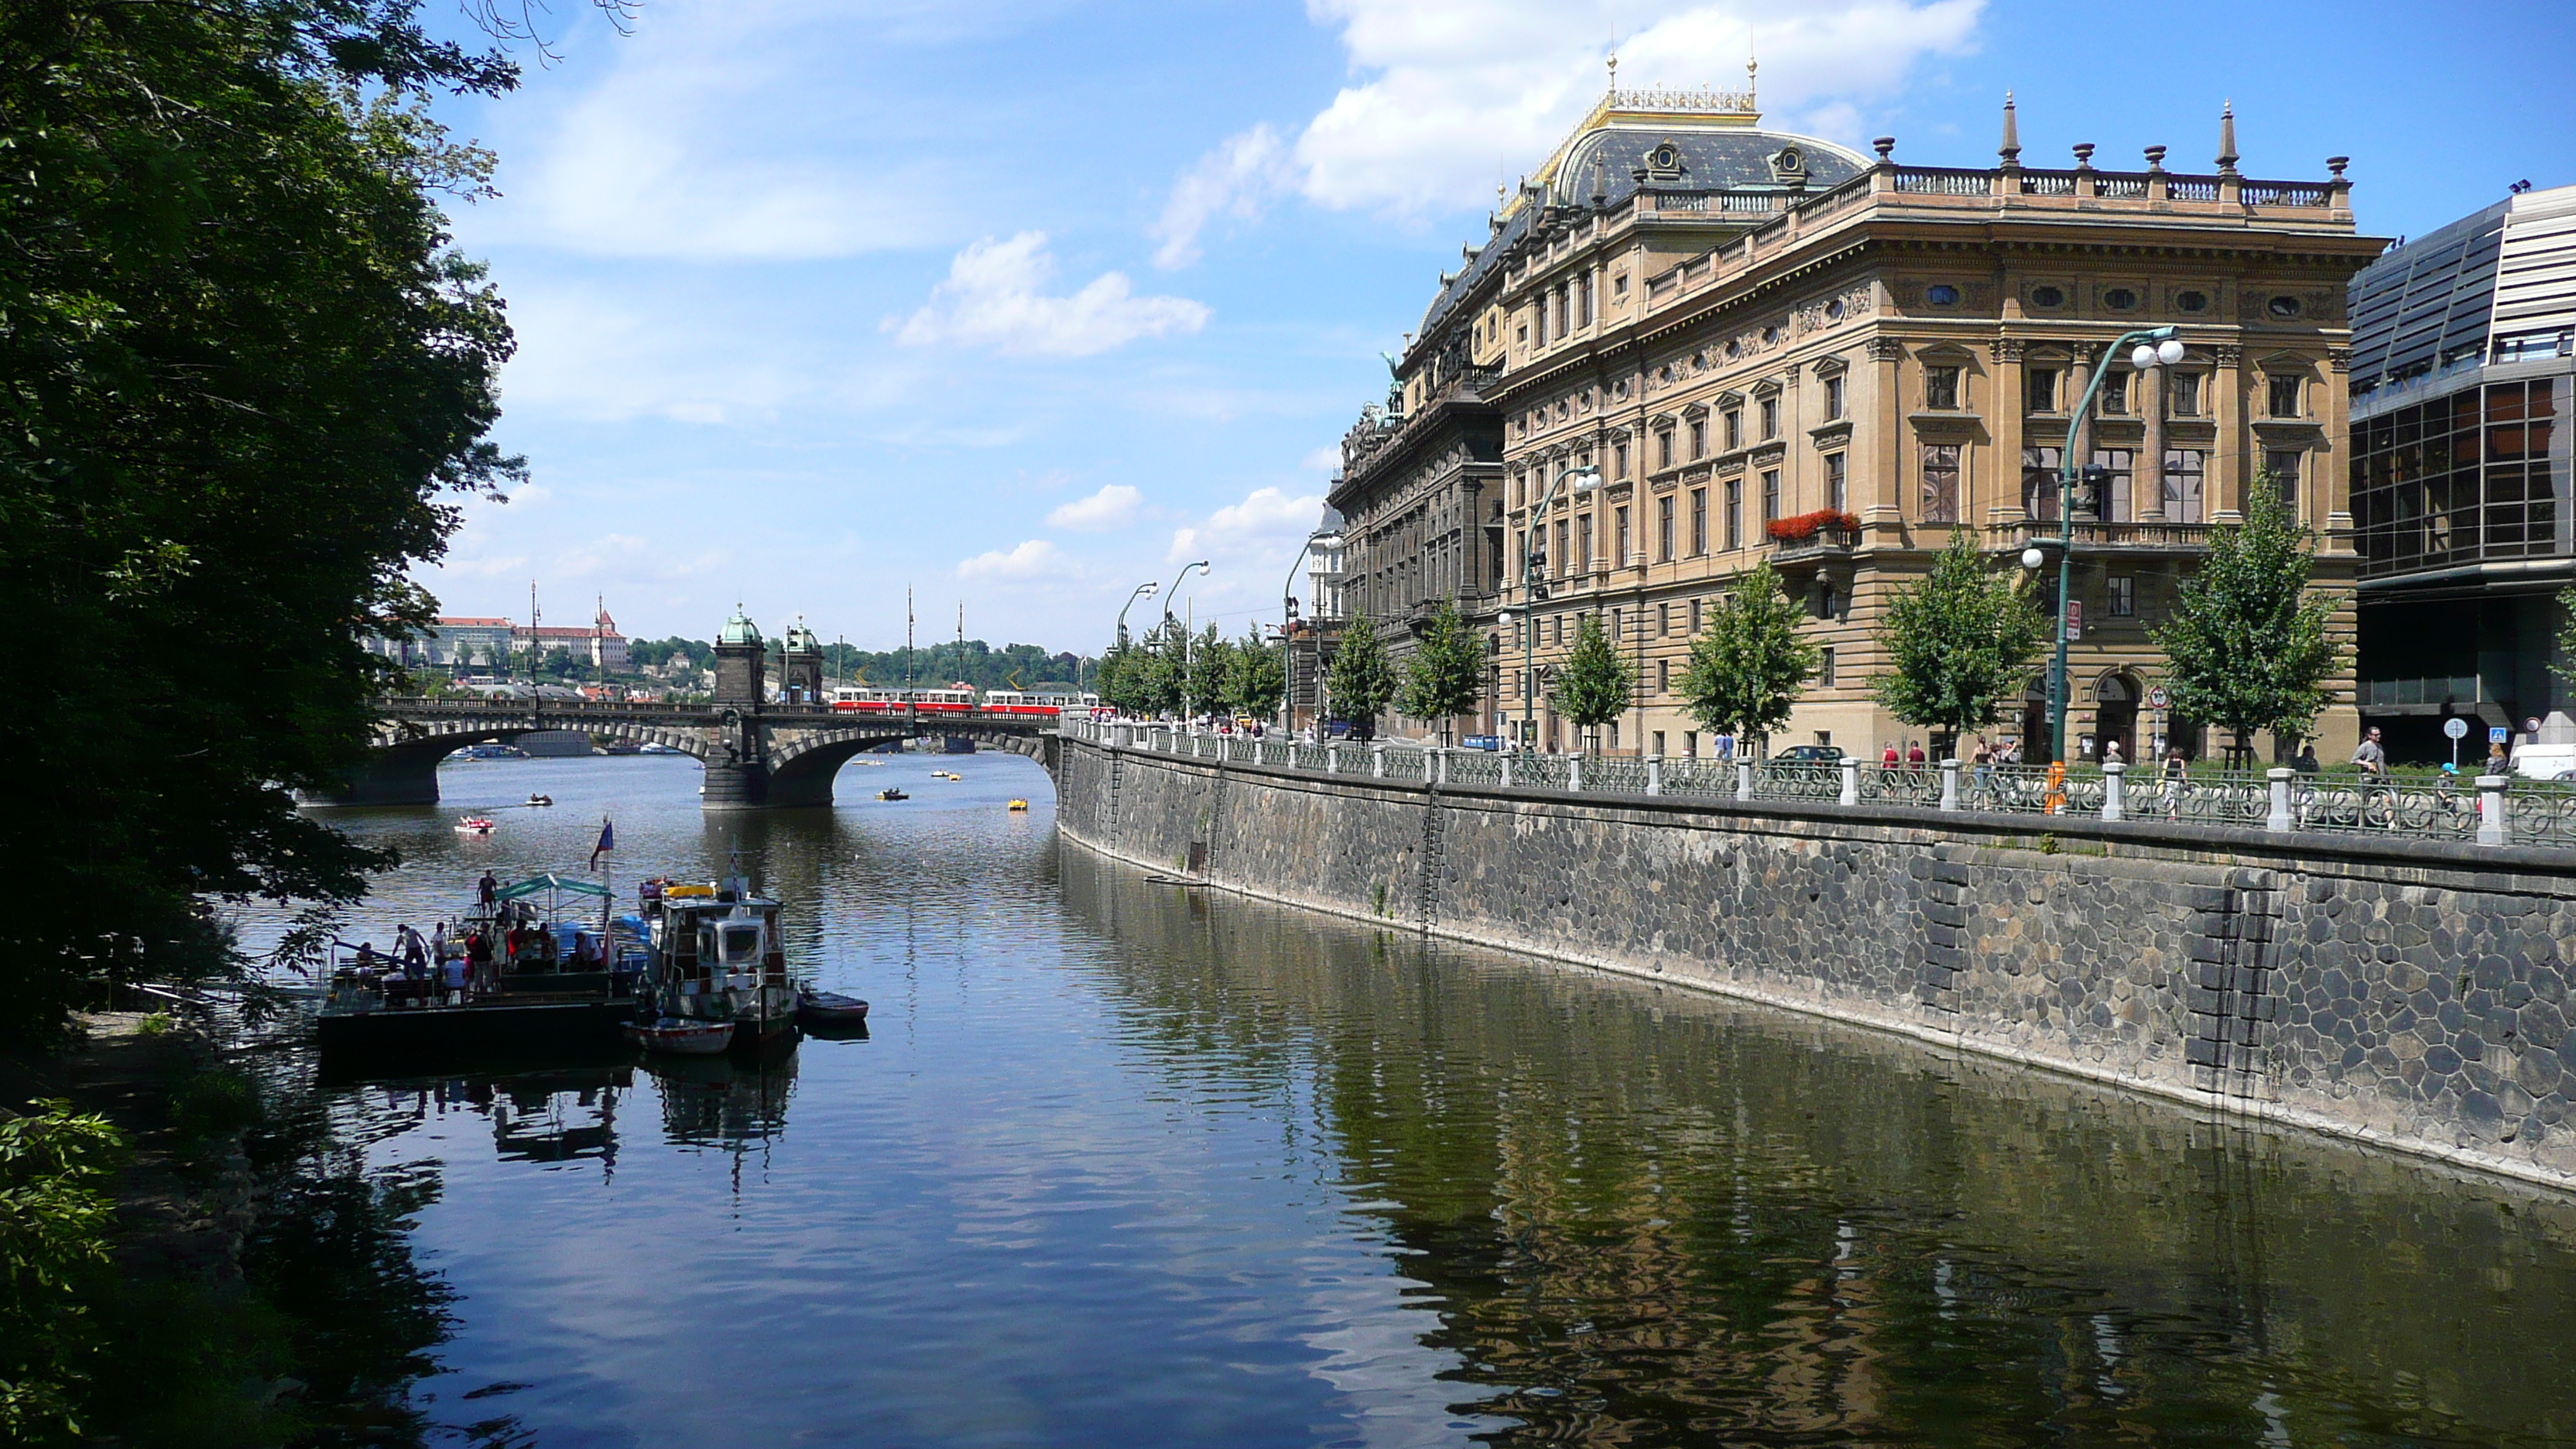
x: 2370, y: 755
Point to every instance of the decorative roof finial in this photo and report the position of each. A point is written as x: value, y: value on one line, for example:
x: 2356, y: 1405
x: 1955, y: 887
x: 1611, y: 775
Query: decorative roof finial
x: 2011, y: 148
x: 1614, y: 72
x: 2227, y: 140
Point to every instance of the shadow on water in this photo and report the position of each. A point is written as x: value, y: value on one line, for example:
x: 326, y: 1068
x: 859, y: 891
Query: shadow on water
x: 1645, y: 1216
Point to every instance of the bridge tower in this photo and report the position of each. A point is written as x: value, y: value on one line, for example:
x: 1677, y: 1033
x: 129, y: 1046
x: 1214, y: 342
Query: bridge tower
x: 738, y: 766
x: 801, y: 678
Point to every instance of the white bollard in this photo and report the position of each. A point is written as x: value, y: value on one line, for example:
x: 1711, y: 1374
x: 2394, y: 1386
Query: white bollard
x: 2280, y: 816
x: 1654, y: 774
x: 1507, y: 769
x: 2491, y: 818
x: 1744, y: 779
x: 2114, y: 775
x: 1377, y: 759
x: 1851, y: 780
x: 1949, y: 784
x: 1574, y: 773
x: 1439, y: 764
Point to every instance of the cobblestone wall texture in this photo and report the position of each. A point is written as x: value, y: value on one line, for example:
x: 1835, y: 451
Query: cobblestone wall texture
x: 2413, y: 996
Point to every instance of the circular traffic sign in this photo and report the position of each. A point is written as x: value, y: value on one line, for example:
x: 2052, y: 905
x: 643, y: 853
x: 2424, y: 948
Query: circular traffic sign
x: 2456, y: 727
x: 2157, y: 698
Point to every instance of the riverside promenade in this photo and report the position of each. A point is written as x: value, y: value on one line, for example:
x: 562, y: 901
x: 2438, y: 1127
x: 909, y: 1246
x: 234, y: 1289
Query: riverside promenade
x: 2388, y: 967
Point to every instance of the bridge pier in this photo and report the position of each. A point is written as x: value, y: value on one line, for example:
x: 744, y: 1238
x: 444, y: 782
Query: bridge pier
x: 406, y: 774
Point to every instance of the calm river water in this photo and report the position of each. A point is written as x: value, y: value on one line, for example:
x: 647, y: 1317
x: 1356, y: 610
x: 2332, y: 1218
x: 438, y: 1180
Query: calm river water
x: 1127, y: 1164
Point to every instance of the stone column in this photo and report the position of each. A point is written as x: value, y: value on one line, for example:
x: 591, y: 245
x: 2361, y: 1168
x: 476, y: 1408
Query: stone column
x: 1377, y: 759
x: 2112, y: 782
x: 2224, y: 476
x: 1851, y: 780
x: 2011, y: 401
x: 1744, y: 779
x: 2491, y: 819
x: 1574, y: 773
x: 1654, y: 774
x: 2280, y: 816
x: 1507, y: 769
x: 1950, y: 784
x: 1439, y: 765
x: 2149, y: 473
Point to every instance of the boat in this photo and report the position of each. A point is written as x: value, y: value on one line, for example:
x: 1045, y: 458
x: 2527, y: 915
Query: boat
x: 474, y: 825
x: 1018, y: 806
x: 680, y: 1036
x: 828, y: 1008
x: 539, y: 802
x: 713, y: 953
x: 891, y: 793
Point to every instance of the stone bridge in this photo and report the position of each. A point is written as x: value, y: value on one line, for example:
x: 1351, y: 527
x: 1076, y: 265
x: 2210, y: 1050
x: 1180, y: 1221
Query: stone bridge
x: 757, y: 756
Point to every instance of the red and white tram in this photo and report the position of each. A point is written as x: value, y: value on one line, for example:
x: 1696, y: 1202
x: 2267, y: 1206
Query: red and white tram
x: 1014, y: 701
x: 870, y: 699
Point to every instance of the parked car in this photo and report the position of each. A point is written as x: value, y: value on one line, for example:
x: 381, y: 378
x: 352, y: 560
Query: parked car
x: 1337, y: 729
x: 1809, y: 755
x: 1482, y: 742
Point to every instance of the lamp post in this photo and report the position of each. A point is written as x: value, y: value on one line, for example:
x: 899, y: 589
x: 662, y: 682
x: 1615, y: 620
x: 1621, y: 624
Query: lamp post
x: 1202, y: 567
x: 1147, y: 587
x: 2153, y: 345
x: 1534, y: 588
x: 1287, y: 618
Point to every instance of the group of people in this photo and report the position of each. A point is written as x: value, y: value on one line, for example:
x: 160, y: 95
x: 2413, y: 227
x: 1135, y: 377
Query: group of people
x: 465, y: 960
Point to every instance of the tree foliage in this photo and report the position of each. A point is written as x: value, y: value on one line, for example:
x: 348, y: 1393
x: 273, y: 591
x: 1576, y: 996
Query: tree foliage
x: 2246, y: 645
x: 1960, y: 641
x: 1259, y: 678
x: 1208, y: 670
x: 244, y: 378
x: 1360, y: 683
x: 1749, y: 662
x: 1445, y: 677
x: 54, y: 1221
x: 1594, y: 685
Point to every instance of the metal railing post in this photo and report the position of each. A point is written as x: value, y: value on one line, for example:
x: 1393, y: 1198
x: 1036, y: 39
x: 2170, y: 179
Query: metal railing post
x: 2491, y: 808
x: 1851, y: 780
x: 2113, y: 782
x: 1949, y: 784
x: 2280, y: 816
x: 1654, y: 774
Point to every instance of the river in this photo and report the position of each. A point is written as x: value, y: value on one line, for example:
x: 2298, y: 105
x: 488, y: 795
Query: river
x: 1126, y: 1163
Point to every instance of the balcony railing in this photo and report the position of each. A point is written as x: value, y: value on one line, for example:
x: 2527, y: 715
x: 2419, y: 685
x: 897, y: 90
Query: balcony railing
x: 1831, y: 541
x: 2145, y: 536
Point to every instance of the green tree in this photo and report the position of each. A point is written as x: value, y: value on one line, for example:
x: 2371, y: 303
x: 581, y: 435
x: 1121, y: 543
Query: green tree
x: 1446, y: 675
x: 1748, y: 665
x: 2246, y: 645
x: 1359, y: 684
x: 54, y: 1224
x: 246, y: 380
x: 1594, y: 685
x: 1960, y: 641
x: 1210, y: 666
x: 1260, y: 677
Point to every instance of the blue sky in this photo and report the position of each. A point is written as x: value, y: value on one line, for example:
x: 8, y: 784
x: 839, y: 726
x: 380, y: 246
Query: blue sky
x: 1022, y: 303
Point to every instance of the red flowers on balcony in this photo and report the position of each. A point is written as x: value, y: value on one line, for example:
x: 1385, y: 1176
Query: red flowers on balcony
x: 1804, y: 527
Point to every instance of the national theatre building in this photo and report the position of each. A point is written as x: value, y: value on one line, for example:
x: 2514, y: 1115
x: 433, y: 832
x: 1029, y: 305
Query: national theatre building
x: 1771, y: 346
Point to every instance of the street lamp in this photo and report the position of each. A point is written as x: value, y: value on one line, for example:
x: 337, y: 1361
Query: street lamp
x: 1288, y: 617
x: 1202, y: 567
x: 1147, y: 587
x: 2153, y: 345
x: 1534, y: 588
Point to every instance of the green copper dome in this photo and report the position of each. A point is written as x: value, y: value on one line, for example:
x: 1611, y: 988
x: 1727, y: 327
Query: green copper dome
x: 739, y: 629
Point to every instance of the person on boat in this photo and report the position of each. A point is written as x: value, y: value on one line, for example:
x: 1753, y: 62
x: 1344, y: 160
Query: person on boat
x: 478, y: 960
x: 451, y: 979
x: 438, y: 942
x: 368, y: 962
x: 415, y: 951
x: 487, y: 890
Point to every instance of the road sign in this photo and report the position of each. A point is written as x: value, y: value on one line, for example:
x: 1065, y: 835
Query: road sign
x: 2074, y: 619
x: 2531, y: 724
x: 2158, y: 699
x: 2456, y: 727
x: 2498, y: 734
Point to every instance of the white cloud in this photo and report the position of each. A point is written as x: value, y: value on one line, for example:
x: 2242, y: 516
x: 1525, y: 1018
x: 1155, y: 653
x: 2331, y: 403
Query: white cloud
x: 1265, y: 519
x: 992, y: 297
x: 1450, y: 96
x: 1114, y: 506
x: 1036, y: 558
x: 1234, y: 179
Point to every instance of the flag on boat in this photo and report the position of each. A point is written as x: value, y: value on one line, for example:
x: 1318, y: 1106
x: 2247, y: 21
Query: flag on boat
x: 607, y: 842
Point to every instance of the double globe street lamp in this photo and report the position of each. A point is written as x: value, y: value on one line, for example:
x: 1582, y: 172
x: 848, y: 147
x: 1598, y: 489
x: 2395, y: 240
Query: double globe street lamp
x: 2153, y: 345
x: 1585, y: 479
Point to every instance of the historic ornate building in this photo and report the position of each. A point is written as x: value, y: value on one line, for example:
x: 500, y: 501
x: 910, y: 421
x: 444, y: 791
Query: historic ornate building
x: 1772, y: 347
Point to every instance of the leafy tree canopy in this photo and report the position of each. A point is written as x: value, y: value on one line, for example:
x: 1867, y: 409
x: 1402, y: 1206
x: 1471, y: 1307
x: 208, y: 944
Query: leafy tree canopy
x: 1445, y: 677
x: 1594, y: 685
x: 1749, y: 662
x: 1260, y: 677
x: 2247, y: 644
x: 1960, y: 641
x: 1359, y: 683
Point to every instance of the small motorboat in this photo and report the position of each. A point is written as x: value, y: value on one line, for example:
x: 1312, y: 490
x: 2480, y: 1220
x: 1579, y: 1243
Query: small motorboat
x: 1019, y: 806
x: 828, y: 1008
x: 681, y: 1037
x: 891, y: 793
x: 539, y: 802
x: 474, y: 825
x: 946, y: 775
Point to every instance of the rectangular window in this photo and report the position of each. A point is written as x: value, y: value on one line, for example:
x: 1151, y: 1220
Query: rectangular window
x: 2182, y: 395
x: 1664, y: 449
x: 1663, y: 685
x: 1619, y: 558
x: 2284, y: 395
x: 1941, y: 389
x: 1699, y: 437
x: 1837, y: 483
x: 1825, y: 668
x: 1619, y: 460
x: 1940, y: 483
x: 2039, y: 481
x: 2114, y: 503
x: 1770, y: 495
x: 1690, y: 744
x: 1833, y: 399
x: 1699, y: 522
x: 2124, y: 597
x: 1619, y: 285
x: 1564, y: 306
x: 1583, y: 301
x: 1735, y: 513
x: 1770, y: 418
x: 2285, y: 465
x: 2115, y: 395
x: 1663, y: 621
x: 1583, y: 544
x: 1694, y: 616
x: 2041, y: 383
x: 1564, y: 558
x: 1612, y: 744
x: 1734, y: 429
x: 1664, y: 529
x: 2182, y: 485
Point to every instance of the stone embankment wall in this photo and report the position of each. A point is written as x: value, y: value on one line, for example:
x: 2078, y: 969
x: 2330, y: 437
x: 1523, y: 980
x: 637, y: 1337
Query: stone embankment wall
x: 2415, y: 995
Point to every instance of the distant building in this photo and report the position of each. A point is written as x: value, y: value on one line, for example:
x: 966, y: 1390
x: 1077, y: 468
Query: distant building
x: 600, y: 646
x: 458, y: 645
x: 2463, y: 349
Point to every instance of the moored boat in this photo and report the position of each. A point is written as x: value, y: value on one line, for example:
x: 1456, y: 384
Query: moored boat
x: 714, y: 954
x: 474, y: 825
x: 681, y: 1036
x: 828, y: 1008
